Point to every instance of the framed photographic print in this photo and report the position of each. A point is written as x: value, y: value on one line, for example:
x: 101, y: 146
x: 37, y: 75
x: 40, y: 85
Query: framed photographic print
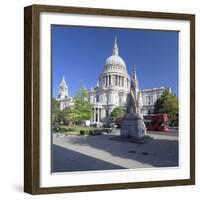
x: 109, y: 99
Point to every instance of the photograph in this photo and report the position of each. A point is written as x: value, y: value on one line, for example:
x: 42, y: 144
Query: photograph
x: 114, y: 98
x: 109, y: 99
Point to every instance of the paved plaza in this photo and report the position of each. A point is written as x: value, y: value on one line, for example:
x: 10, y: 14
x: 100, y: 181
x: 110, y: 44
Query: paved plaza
x: 101, y: 152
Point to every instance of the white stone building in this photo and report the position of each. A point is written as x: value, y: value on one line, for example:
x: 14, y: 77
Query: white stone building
x: 149, y: 97
x: 112, y: 88
x: 63, y: 95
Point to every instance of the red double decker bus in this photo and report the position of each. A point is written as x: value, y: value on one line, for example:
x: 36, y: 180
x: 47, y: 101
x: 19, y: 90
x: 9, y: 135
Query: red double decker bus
x: 157, y: 122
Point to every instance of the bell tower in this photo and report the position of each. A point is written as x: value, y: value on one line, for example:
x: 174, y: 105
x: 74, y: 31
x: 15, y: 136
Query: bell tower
x: 63, y: 89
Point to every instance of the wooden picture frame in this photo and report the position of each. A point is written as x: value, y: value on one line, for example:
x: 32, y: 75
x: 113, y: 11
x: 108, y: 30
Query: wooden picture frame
x: 32, y: 97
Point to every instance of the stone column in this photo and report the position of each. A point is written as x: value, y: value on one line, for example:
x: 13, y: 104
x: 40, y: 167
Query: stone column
x: 118, y: 80
x: 91, y: 119
x: 154, y: 98
x: 97, y: 114
x: 112, y: 80
x: 94, y: 120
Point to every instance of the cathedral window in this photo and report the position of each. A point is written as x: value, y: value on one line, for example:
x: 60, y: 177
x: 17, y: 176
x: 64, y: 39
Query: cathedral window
x: 99, y: 113
x: 97, y: 98
x: 148, y: 100
x: 96, y: 114
x: 107, y: 113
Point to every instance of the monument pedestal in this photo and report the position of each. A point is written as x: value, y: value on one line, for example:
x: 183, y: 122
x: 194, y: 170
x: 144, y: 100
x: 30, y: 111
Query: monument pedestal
x: 133, y: 126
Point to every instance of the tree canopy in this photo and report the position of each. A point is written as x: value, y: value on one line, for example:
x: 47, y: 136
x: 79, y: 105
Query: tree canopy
x: 55, y: 110
x: 82, y: 108
x: 167, y: 103
x: 117, y: 113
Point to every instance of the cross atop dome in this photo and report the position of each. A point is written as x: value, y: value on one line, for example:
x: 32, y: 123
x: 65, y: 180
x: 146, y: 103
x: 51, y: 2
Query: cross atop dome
x: 115, y: 40
x: 115, y: 48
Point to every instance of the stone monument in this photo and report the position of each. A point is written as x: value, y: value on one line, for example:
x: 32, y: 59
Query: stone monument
x: 133, y: 123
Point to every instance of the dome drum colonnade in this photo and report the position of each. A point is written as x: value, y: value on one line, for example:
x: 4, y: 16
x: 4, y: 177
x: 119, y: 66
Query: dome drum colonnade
x: 115, y: 80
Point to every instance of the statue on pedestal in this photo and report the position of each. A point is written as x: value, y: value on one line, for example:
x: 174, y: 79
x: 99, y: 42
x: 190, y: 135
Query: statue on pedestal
x: 133, y: 122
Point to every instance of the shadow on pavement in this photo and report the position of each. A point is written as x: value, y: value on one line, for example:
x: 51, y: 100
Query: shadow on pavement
x: 67, y: 160
x: 157, y: 152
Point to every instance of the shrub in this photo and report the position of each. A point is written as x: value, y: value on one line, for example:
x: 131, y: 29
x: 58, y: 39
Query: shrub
x: 63, y: 130
x: 82, y: 132
x: 97, y: 131
x: 90, y: 132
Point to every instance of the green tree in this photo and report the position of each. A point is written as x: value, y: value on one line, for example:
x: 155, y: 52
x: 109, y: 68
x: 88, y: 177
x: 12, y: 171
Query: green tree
x: 168, y: 103
x: 117, y: 114
x: 55, y: 110
x: 69, y: 114
x: 81, y: 110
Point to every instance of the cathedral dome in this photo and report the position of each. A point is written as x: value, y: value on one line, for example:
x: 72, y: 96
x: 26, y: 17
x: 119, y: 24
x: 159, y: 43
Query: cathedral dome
x: 115, y: 74
x: 115, y: 60
x: 115, y: 63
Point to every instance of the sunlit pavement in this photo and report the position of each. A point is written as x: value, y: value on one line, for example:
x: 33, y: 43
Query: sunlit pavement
x: 80, y: 153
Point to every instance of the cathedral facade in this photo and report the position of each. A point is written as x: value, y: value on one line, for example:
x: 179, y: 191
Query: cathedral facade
x: 112, y: 89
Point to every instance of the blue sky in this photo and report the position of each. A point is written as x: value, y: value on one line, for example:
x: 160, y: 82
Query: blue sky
x: 79, y: 53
